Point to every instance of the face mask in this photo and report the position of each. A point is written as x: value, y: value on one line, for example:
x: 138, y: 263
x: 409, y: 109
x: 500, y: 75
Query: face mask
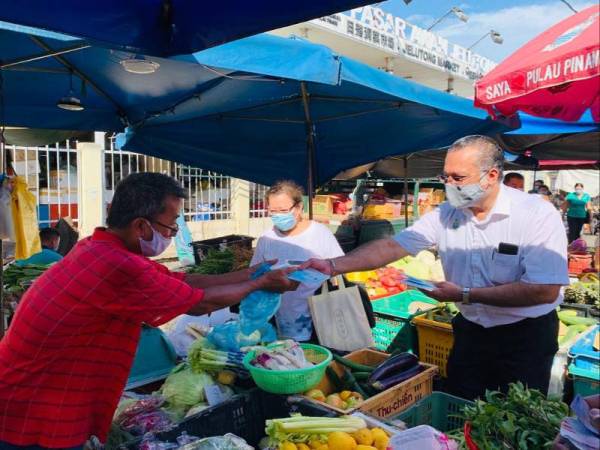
x: 156, y: 246
x: 284, y: 222
x: 464, y: 196
x: 579, y: 191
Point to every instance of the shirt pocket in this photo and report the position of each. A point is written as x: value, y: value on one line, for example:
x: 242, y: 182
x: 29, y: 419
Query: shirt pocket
x: 505, y: 268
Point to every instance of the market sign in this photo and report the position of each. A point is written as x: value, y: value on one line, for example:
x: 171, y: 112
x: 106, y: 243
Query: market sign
x: 394, y: 34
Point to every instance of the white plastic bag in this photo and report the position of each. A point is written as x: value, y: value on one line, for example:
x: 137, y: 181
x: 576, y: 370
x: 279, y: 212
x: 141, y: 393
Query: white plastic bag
x: 421, y: 437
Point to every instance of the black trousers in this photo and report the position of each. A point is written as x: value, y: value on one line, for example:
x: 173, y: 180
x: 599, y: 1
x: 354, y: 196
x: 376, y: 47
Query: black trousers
x: 491, y: 358
x: 575, y: 226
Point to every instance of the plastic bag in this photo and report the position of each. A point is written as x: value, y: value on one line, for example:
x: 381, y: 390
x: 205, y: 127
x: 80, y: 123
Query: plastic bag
x: 143, y: 415
x: 7, y: 230
x: 229, y: 337
x: 24, y: 211
x: 256, y: 310
x: 183, y: 243
x: 420, y: 437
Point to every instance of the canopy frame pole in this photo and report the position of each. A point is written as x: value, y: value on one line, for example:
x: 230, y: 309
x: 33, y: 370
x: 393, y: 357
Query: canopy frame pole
x: 405, y: 192
x: 310, y: 147
x: 46, y: 54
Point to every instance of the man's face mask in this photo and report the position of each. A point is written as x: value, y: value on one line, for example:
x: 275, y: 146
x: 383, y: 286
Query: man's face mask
x: 156, y: 245
x: 465, y: 196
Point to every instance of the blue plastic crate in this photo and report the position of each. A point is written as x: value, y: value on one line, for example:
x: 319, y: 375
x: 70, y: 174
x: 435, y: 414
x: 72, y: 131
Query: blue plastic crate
x: 583, y: 353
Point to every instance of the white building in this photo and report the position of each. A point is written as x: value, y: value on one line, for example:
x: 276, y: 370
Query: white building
x: 379, y: 39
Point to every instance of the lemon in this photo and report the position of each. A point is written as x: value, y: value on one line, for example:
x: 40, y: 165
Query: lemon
x: 381, y: 442
x: 365, y: 447
x: 345, y: 395
x: 288, y: 446
x: 315, y: 444
x: 339, y: 440
x: 364, y: 436
x: 302, y: 447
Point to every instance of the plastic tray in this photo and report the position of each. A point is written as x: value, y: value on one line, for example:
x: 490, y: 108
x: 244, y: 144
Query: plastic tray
x: 439, y: 410
x: 201, y: 248
x: 583, y: 353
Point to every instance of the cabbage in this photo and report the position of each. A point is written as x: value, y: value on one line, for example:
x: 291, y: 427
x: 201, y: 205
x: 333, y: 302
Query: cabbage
x: 183, y: 388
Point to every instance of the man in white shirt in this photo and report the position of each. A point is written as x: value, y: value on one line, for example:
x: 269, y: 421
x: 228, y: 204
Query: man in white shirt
x: 505, y: 258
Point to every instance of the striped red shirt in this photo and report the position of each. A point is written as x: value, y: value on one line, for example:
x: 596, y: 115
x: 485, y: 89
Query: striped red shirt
x: 67, y: 354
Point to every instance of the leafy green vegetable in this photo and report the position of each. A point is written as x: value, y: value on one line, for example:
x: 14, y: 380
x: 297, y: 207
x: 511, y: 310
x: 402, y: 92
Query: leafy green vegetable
x: 522, y: 419
x: 300, y: 428
x: 215, y: 262
x: 183, y: 389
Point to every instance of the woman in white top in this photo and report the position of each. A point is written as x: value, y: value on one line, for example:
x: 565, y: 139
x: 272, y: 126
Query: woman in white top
x: 293, y: 238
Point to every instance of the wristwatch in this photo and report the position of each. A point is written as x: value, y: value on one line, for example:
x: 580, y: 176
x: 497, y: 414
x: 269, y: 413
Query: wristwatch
x: 465, y: 295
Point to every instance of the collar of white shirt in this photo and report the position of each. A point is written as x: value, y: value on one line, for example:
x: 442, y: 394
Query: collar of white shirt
x: 501, y: 207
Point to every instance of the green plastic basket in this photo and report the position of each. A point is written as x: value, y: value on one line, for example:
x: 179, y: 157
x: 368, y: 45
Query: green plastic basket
x: 291, y: 381
x: 439, y: 410
x: 393, y: 330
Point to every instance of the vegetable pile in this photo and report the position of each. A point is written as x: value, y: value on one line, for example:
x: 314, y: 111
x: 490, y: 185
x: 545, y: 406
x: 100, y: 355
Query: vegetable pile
x: 521, y: 419
x: 223, y: 261
x: 203, y: 357
x: 327, y: 433
x: 358, y: 382
x: 287, y: 356
x: 584, y: 292
x: 17, y: 279
x: 572, y: 325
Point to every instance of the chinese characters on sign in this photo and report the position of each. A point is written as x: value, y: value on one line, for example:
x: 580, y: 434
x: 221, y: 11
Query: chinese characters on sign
x: 394, y: 34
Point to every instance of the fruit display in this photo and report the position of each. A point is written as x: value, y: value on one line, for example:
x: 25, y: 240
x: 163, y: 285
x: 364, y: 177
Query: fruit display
x: 323, y: 433
x: 572, y: 325
x: 389, y: 280
x: 342, y: 400
x: 584, y: 292
x: 355, y: 381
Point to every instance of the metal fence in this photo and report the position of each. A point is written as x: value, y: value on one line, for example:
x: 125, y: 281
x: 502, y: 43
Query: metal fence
x: 258, y: 208
x: 52, y: 176
x: 209, y: 193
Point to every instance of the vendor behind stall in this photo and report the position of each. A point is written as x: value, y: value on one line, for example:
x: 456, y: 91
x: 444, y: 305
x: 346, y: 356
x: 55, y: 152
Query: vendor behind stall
x: 66, y: 357
x: 504, y: 256
x: 50, y: 239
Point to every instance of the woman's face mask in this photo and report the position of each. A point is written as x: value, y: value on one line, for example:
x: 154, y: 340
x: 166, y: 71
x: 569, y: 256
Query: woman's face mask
x: 157, y: 245
x: 284, y: 221
x: 464, y: 196
x: 578, y: 191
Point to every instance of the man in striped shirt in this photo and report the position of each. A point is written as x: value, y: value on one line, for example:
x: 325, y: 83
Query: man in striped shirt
x: 66, y: 357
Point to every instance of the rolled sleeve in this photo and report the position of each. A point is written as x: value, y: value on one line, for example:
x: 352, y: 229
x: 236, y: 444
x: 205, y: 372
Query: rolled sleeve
x: 545, y: 251
x: 423, y: 234
x: 155, y: 296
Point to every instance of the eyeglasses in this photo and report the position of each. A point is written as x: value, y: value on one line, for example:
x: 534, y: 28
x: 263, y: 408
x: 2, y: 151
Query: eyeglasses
x: 283, y: 211
x: 174, y: 230
x: 457, y: 178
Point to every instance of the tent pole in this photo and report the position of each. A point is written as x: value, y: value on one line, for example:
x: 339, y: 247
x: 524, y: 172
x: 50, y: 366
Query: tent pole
x: 310, y: 148
x: 2, y: 172
x: 405, y: 192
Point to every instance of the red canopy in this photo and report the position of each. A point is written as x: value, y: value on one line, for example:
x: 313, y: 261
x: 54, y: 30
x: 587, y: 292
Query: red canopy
x: 556, y: 75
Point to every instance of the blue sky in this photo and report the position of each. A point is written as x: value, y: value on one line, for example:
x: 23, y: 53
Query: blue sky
x: 517, y: 20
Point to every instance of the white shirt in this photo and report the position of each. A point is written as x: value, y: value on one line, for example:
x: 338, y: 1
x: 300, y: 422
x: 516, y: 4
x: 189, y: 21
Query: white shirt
x: 317, y: 241
x: 468, y: 249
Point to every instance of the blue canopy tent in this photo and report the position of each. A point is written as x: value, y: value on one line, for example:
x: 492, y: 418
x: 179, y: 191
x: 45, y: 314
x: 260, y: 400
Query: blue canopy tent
x: 551, y: 139
x: 270, y: 100
x: 318, y: 114
x: 166, y: 27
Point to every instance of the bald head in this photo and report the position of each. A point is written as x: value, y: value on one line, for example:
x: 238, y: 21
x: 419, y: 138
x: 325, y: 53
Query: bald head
x: 486, y: 153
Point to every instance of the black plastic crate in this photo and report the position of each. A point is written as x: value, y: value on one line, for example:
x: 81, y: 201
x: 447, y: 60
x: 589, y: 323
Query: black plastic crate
x: 201, y: 248
x: 243, y: 415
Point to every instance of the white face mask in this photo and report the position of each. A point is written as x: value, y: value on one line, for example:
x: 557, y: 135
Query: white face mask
x: 156, y: 246
x: 578, y: 191
x: 464, y: 196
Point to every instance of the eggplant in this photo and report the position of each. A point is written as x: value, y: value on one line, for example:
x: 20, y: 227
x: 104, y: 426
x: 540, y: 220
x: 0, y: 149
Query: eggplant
x: 393, y: 365
x: 397, y: 378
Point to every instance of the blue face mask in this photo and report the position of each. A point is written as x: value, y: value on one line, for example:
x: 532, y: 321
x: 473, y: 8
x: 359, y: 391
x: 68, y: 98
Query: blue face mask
x: 284, y: 222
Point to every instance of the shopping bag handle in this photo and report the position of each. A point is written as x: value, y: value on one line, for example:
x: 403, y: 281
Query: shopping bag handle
x: 339, y: 280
